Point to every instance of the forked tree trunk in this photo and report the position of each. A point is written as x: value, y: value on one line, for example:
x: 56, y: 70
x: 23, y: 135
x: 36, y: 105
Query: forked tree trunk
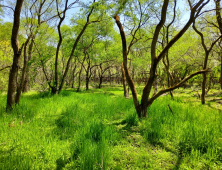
x: 146, y: 101
x: 12, y: 83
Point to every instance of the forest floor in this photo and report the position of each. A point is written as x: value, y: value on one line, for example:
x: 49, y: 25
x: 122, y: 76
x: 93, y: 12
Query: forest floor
x: 99, y: 129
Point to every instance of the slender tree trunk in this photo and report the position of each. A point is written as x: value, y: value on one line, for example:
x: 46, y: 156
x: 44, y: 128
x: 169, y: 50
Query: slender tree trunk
x: 207, y: 52
x: 12, y: 83
x: 74, y: 47
x: 20, y: 86
x: 100, y: 81
x: 78, y: 88
x: 80, y: 72
x: 88, y: 73
x: 27, y: 78
x: 73, y: 75
x: 126, y: 95
x: 87, y: 80
x: 203, y: 88
x: 26, y: 82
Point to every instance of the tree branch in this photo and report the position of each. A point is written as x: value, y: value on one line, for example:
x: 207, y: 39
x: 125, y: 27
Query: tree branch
x: 177, y: 85
x: 5, y: 67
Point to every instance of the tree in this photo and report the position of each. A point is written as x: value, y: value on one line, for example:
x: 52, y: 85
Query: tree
x: 146, y: 100
x: 207, y: 53
x: 17, y: 54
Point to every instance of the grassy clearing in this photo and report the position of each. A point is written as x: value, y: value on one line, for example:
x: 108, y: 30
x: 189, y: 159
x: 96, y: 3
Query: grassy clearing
x: 99, y: 129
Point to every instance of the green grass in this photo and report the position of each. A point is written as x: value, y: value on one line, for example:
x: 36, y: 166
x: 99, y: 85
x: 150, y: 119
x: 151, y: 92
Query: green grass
x: 99, y: 129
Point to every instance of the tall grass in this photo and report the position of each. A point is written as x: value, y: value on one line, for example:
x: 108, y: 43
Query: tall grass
x: 100, y: 130
x: 193, y: 129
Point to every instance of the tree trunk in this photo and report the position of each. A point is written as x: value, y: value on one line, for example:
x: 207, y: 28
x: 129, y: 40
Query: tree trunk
x: 74, y: 47
x: 87, y: 83
x: 12, y: 83
x: 88, y: 73
x: 80, y: 72
x: 100, y: 81
x: 146, y: 101
x: 126, y: 95
x: 20, y: 86
x: 74, y: 75
x: 26, y: 82
x: 203, y: 88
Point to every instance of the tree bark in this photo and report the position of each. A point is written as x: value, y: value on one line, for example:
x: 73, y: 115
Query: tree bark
x: 127, y: 73
x: 27, y: 78
x: 20, y: 85
x: 126, y: 95
x: 12, y: 83
x: 100, y: 81
x: 87, y: 78
x: 80, y: 72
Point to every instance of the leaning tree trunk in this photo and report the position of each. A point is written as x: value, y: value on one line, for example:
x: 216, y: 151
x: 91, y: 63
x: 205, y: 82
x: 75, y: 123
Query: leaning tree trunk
x: 12, y: 83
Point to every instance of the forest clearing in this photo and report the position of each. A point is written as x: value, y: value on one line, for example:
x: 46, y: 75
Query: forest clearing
x: 110, y: 84
x: 99, y: 129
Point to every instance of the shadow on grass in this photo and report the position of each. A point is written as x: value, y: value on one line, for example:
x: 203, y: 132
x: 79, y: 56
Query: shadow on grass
x: 213, y: 101
x: 61, y: 163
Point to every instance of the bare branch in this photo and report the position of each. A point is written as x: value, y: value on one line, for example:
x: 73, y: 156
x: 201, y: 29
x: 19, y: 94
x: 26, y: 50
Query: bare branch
x: 4, y: 6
